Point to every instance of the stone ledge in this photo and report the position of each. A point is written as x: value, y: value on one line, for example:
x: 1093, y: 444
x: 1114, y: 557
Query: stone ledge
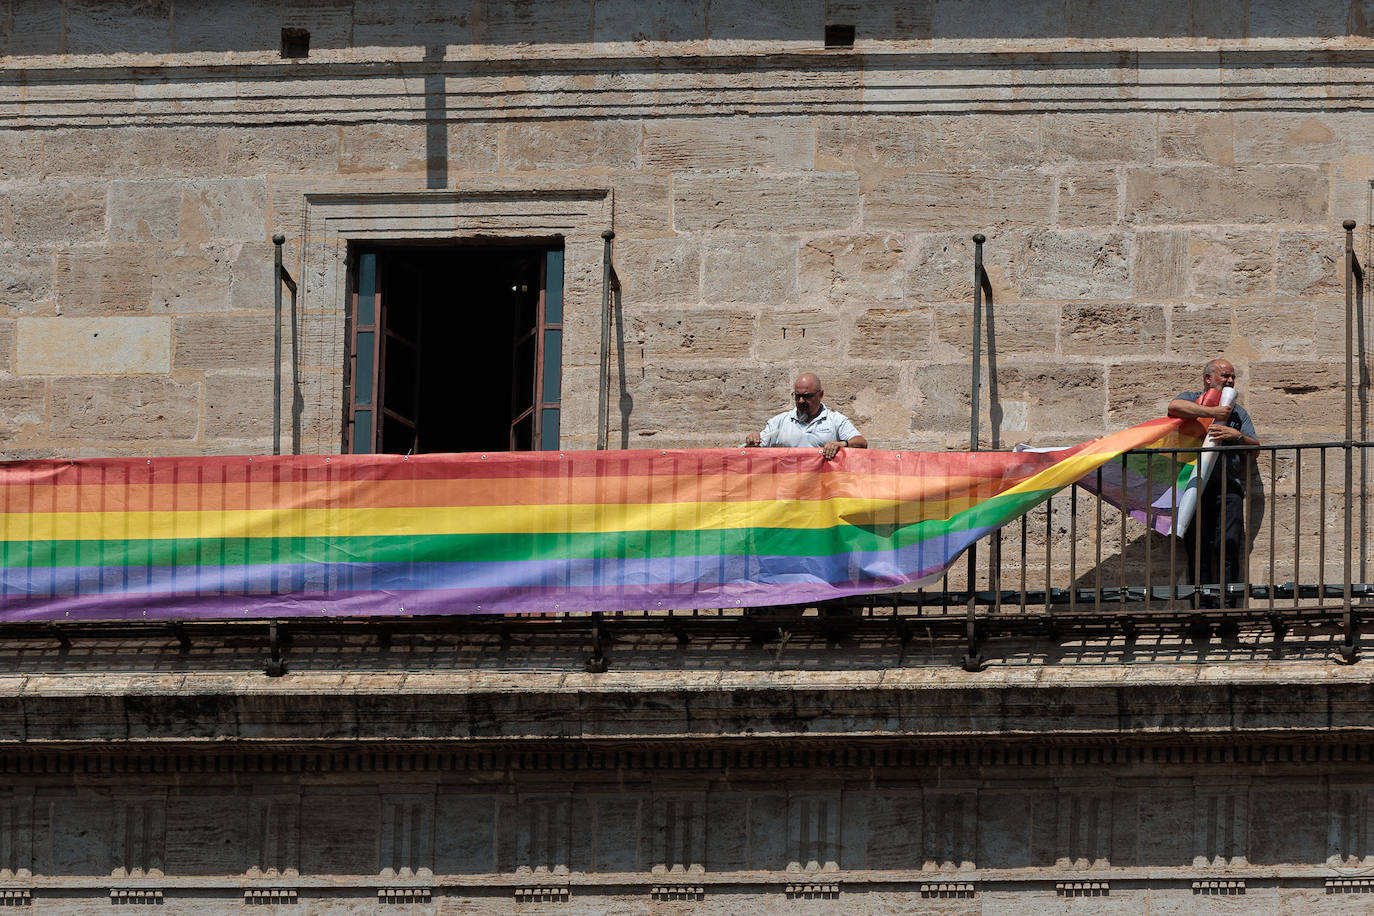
x: 56, y: 711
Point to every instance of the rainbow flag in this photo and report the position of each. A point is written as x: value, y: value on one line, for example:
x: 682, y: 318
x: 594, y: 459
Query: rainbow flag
x: 1159, y: 491
x: 303, y: 536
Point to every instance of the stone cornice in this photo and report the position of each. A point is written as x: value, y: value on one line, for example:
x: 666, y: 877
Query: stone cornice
x: 903, y: 83
x: 922, y: 708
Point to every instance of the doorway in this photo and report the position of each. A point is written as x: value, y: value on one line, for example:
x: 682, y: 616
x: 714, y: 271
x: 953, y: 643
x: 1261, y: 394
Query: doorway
x: 454, y: 348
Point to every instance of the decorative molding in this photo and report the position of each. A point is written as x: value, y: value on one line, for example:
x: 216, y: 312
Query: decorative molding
x: 16, y: 896
x: 678, y: 892
x: 284, y: 896
x: 141, y: 762
x: 404, y: 894
x: 1350, y: 885
x: 1219, y: 887
x: 335, y: 213
x: 945, y: 890
x: 541, y: 894
x: 898, y: 83
x: 125, y: 896
x: 1083, y: 888
x: 829, y: 891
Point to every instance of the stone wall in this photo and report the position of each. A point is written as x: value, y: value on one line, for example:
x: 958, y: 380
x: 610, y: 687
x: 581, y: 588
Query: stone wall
x: 466, y: 773
x: 1158, y: 183
x: 1154, y: 191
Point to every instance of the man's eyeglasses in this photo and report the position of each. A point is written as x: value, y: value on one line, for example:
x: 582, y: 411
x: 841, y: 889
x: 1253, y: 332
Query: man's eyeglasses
x: 804, y: 395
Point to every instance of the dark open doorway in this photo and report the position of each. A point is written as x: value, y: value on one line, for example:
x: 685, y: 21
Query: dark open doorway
x: 454, y: 348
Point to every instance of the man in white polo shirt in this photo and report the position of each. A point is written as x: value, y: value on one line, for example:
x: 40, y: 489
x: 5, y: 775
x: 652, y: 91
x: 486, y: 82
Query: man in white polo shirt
x: 811, y: 423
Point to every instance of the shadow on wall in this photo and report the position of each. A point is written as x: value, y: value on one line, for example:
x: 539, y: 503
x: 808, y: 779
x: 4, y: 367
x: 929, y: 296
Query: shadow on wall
x: 1146, y: 558
x: 80, y: 27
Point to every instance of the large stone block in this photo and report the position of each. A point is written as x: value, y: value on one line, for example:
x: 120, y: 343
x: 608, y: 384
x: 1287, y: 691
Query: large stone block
x: 1079, y: 137
x: 1088, y: 199
x: 971, y: 201
x: 891, y: 334
x: 250, y: 279
x: 1273, y: 137
x: 1140, y: 391
x: 942, y: 266
x: 1288, y: 331
x: 584, y: 146
x: 1206, y: 194
x: 1018, y: 330
x: 954, y: 21
x: 878, y: 146
x: 402, y: 148
x: 533, y: 24
x: 23, y: 408
x: 695, y: 334
x: 757, y: 268
x: 55, y: 212
x: 124, y: 409
x: 882, y: 23
x: 729, y: 143
x: 1162, y: 264
x: 801, y: 337
x: 1109, y: 19
x: 1276, y: 19
x: 1075, y: 265
x: 34, y: 28
x: 93, y: 346
x: 636, y: 26
x: 472, y: 148
x: 207, y: 277
x: 1310, y: 264
x: 264, y: 150
x: 1198, y: 137
x: 145, y: 211
x: 850, y: 268
x: 1296, y: 400
x: 237, y: 341
x: 26, y: 279
x: 809, y: 201
x: 378, y: 26
x: 1067, y: 399
x: 1093, y: 329
x: 1232, y: 263
x: 1201, y: 332
x: 94, y: 281
x: 98, y: 28
x: 133, y: 152
x: 659, y: 271
x: 238, y: 406
x: 764, y: 25
x: 643, y: 204
x: 225, y: 209
x: 21, y: 154
x: 726, y: 403
x: 940, y: 399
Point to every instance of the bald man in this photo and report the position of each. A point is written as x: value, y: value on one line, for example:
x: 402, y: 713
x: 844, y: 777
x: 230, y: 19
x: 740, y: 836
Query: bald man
x: 1220, y: 522
x: 810, y: 423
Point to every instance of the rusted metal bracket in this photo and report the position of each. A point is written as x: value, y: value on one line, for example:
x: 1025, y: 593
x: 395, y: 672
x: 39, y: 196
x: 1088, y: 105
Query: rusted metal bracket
x: 276, y: 665
x: 596, y: 664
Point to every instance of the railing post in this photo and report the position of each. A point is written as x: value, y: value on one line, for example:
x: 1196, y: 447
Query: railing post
x: 277, y: 241
x: 972, y: 660
x: 1352, y: 265
x: 603, y: 381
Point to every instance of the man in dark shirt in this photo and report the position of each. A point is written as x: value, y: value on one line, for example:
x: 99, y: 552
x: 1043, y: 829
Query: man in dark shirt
x: 1221, y: 516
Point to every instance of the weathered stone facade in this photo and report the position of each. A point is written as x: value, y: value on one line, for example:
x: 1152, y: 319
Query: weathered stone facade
x: 1158, y: 183
x: 1153, y: 193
